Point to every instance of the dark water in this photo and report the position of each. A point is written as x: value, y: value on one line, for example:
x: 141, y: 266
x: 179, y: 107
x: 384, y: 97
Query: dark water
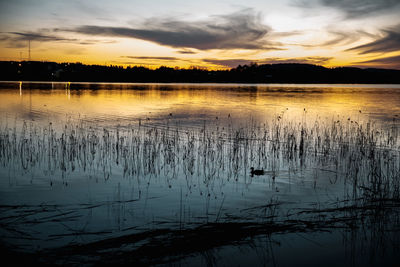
x: 86, y: 162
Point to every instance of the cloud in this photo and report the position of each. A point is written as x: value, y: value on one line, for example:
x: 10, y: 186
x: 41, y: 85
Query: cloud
x: 239, y: 30
x: 388, y: 43
x: 360, y: 8
x: 92, y: 42
x: 388, y: 62
x: 157, y: 60
x: 153, y: 58
x: 32, y: 36
x: 302, y: 60
x: 339, y: 38
x: 186, y: 51
x: 20, y: 39
x: 285, y: 34
x: 342, y: 38
x: 232, y: 63
x: 135, y: 63
x: 225, y: 63
x: 353, y: 8
x: 3, y: 38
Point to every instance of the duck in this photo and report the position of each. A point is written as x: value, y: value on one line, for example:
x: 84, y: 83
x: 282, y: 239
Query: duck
x: 256, y: 172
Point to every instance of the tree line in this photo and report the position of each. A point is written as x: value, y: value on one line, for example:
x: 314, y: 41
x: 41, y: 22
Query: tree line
x: 252, y: 73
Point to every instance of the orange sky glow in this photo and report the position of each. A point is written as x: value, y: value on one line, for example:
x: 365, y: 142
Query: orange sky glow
x: 207, y: 34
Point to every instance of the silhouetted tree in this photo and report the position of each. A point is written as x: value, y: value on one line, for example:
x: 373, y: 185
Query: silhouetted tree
x: 252, y: 73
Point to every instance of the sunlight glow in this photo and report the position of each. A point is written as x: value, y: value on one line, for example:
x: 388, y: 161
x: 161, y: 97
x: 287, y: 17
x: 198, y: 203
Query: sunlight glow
x: 216, y: 37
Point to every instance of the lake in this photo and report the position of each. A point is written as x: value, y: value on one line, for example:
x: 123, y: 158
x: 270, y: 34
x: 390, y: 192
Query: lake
x: 85, y: 162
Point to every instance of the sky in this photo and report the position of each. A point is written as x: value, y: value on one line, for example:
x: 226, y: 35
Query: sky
x: 207, y: 33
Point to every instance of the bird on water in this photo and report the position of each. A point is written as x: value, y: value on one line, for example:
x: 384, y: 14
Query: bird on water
x: 256, y: 172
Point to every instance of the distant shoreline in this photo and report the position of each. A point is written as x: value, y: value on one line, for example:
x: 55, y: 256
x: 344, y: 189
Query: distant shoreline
x: 290, y: 73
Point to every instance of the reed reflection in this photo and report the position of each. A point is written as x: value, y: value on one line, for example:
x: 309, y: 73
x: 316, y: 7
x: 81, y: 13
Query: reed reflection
x: 108, y: 162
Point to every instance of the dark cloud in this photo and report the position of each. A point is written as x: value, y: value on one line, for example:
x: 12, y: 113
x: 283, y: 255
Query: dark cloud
x: 240, y: 30
x: 303, y: 60
x: 388, y: 43
x: 388, y: 62
x: 3, y: 38
x: 285, y: 34
x: 186, y: 51
x: 359, y: 8
x: 152, y: 58
x: 92, y: 42
x: 20, y: 39
x: 353, y: 8
x: 32, y: 36
x: 155, y: 60
x: 135, y: 63
x: 232, y: 63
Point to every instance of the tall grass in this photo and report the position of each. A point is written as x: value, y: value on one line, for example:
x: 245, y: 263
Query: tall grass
x: 364, y: 155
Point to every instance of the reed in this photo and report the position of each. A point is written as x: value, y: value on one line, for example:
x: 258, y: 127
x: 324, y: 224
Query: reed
x: 363, y: 155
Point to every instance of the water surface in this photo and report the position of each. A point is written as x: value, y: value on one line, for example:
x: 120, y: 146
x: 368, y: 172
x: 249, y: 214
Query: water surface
x: 88, y: 161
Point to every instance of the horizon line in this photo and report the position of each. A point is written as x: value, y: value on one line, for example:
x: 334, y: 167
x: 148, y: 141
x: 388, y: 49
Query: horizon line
x: 125, y: 66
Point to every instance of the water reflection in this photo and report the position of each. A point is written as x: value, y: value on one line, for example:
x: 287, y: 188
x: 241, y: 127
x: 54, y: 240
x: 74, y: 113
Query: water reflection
x: 90, y: 164
x: 129, y: 102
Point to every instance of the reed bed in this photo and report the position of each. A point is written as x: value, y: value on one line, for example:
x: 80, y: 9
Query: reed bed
x: 363, y: 155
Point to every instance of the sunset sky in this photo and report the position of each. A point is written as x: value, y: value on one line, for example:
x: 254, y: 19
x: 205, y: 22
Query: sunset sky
x: 212, y: 34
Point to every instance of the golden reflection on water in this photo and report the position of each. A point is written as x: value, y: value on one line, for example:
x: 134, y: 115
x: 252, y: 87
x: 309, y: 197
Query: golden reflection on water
x: 241, y: 102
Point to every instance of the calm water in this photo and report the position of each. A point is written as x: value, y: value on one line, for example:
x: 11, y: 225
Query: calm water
x: 86, y: 161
